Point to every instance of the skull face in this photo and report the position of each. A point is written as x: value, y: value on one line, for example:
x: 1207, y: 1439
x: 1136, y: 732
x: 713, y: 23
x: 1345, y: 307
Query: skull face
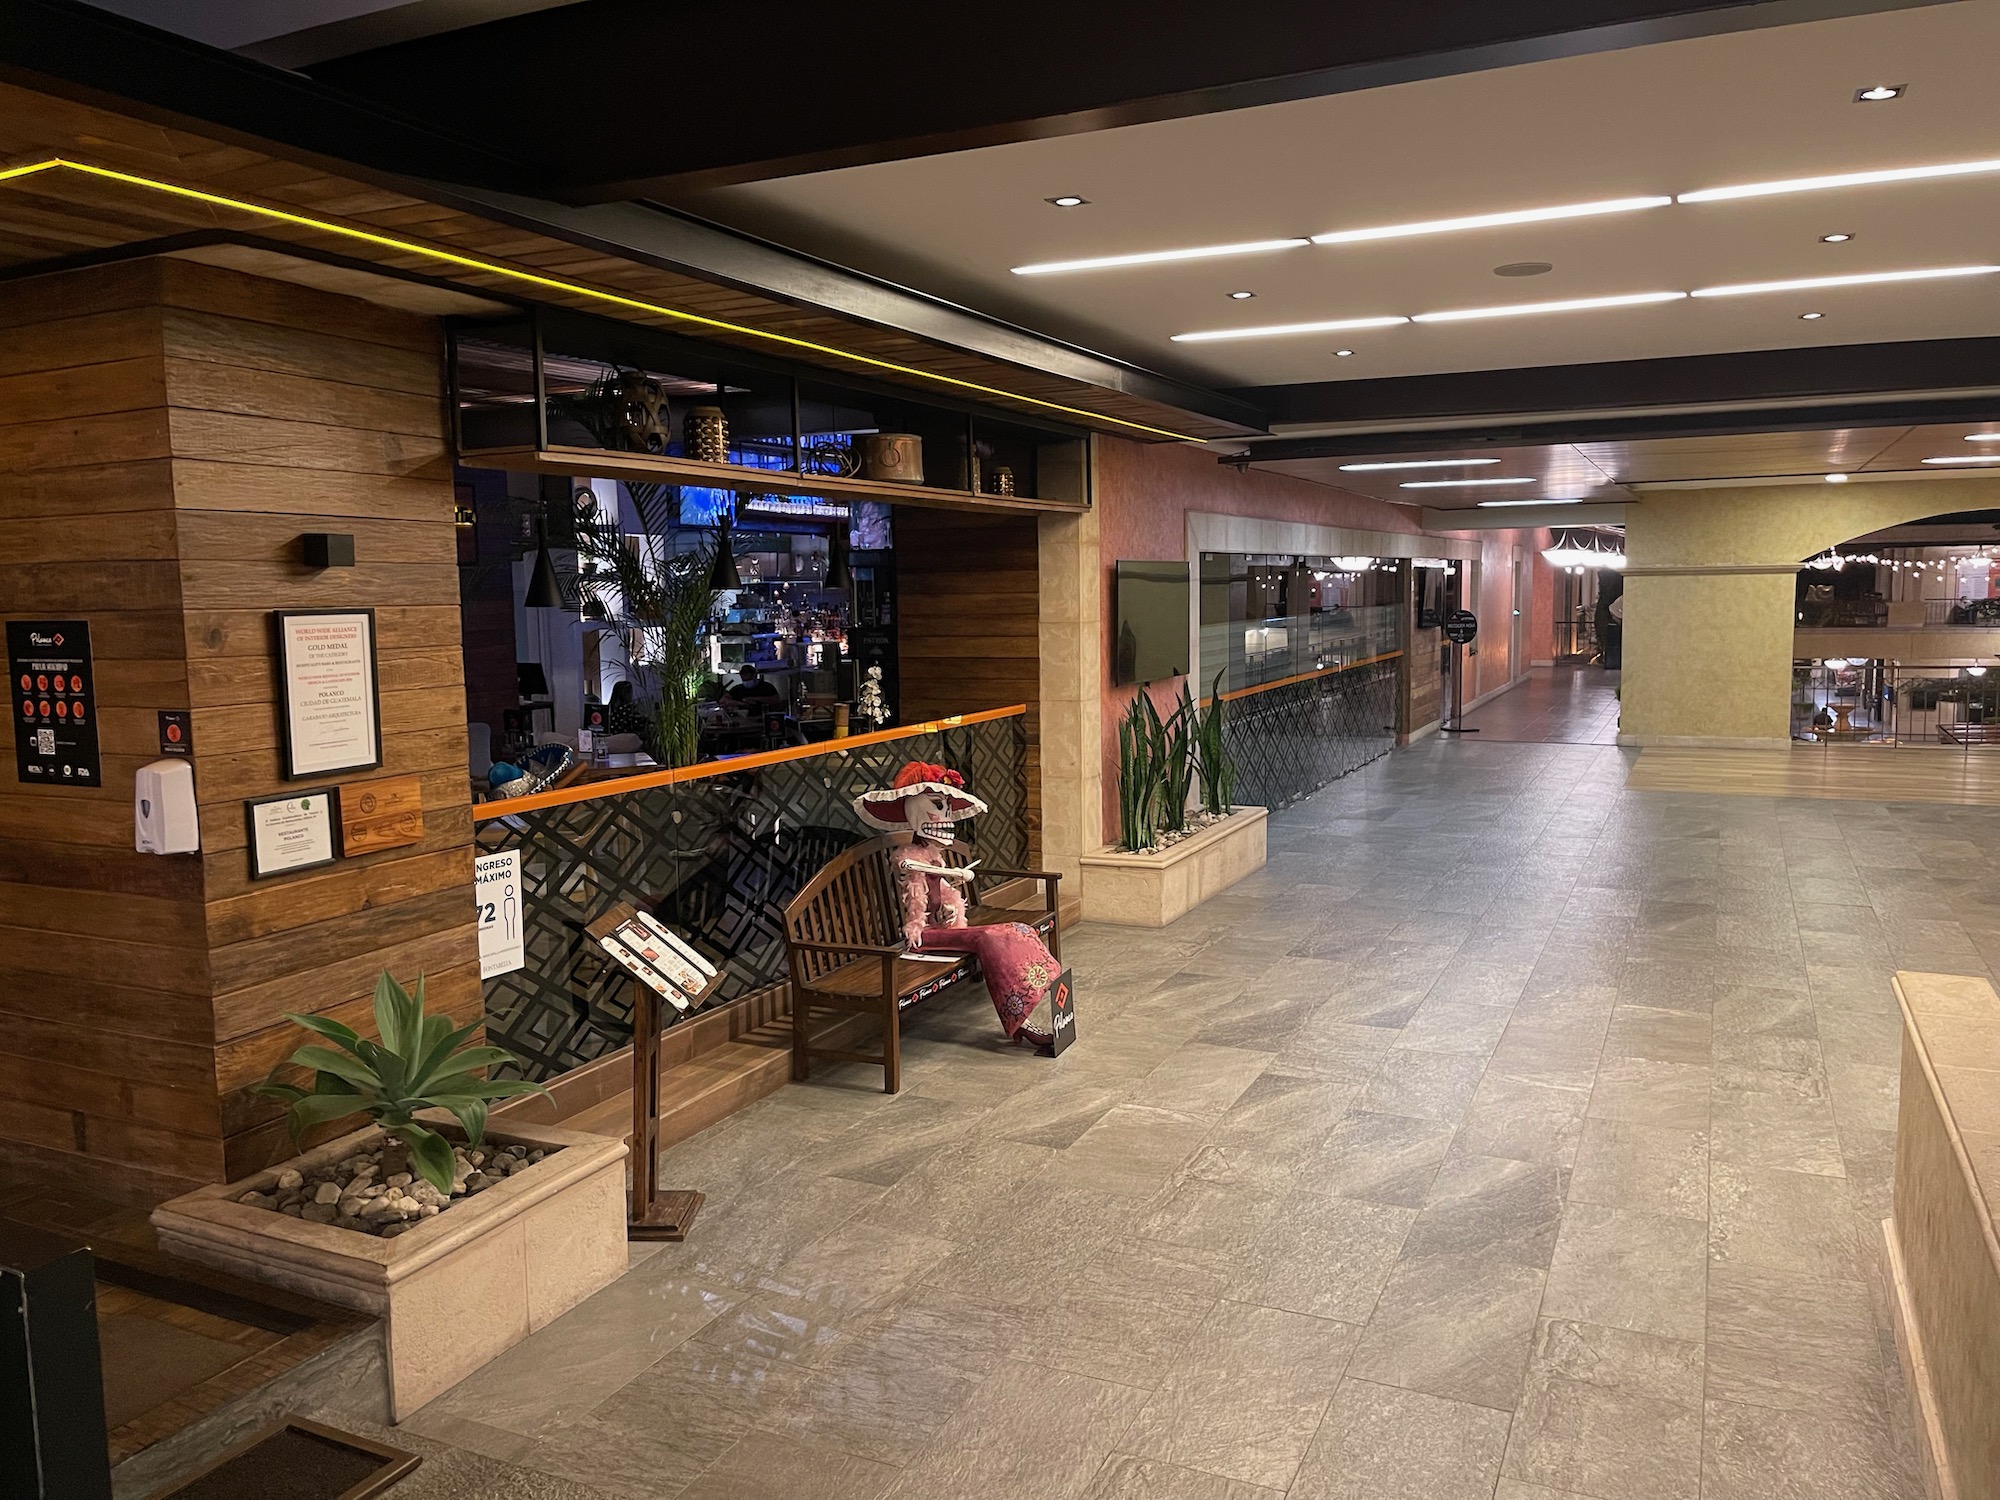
x: 926, y: 813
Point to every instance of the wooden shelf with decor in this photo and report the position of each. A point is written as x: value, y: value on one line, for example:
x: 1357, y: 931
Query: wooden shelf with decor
x: 606, y: 463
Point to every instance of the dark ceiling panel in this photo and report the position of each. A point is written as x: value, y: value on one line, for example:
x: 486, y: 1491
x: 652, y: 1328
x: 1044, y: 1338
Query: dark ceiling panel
x: 631, y: 97
x: 1831, y: 376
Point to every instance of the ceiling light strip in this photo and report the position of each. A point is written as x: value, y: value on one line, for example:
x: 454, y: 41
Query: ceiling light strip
x: 1490, y: 221
x: 1549, y: 500
x: 573, y: 288
x: 1158, y: 257
x: 1969, y: 459
x: 1838, y: 180
x: 1417, y: 463
x: 1460, y: 484
x: 1818, y: 283
x: 1524, y: 309
x: 1281, y: 330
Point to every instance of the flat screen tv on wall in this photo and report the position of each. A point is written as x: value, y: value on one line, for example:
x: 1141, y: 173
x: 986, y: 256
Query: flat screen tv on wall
x: 1151, y: 640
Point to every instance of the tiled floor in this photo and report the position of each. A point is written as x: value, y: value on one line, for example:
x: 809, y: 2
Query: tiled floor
x: 1556, y: 705
x: 1510, y: 1137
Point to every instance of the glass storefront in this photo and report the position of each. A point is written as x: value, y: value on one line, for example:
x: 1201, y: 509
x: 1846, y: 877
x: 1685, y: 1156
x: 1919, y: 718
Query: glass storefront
x: 1267, y: 617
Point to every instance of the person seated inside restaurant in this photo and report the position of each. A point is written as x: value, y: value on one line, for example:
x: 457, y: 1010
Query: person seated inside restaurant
x: 754, y: 691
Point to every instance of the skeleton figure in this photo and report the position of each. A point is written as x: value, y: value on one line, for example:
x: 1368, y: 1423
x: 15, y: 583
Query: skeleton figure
x: 927, y: 801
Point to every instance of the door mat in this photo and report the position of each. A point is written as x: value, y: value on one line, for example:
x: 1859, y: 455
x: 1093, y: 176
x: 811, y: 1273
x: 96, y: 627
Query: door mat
x: 299, y: 1460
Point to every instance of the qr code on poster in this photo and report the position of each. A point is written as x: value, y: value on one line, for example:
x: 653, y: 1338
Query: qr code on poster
x: 45, y: 742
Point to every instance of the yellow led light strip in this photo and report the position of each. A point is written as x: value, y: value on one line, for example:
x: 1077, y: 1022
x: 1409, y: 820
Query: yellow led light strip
x: 553, y: 283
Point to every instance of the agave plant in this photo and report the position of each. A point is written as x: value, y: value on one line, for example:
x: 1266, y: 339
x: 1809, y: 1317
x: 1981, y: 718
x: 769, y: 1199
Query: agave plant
x: 421, y: 1062
x: 1214, y: 765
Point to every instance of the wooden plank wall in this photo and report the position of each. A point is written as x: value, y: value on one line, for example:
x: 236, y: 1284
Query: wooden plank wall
x: 261, y: 411
x: 106, y: 1026
x: 968, y: 587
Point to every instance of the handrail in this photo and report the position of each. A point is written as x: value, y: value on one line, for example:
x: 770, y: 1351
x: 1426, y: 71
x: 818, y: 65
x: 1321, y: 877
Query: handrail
x: 1265, y: 687
x: 485, y: 812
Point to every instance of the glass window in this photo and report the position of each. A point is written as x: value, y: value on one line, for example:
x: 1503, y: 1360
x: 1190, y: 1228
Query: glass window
x: 1268, y: 617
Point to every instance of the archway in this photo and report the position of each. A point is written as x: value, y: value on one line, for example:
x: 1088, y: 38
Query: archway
x: 1709, y: 598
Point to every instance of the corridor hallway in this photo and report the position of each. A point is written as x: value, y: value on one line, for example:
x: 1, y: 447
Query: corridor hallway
x: 1514, y: 1134
x: 1562, y: 705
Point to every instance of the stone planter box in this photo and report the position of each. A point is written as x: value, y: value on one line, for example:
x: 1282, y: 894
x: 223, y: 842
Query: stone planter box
x: 456, y: 1290
x: 1151, y: 890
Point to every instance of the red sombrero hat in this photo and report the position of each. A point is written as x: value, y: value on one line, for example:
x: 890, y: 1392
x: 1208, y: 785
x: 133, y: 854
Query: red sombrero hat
x: 889, y: 809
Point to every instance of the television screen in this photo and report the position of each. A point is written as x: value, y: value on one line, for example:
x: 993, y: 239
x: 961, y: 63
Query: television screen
x: 1152, y: 635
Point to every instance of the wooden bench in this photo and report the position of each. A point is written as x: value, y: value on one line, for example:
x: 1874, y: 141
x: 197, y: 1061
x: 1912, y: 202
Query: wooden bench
x: 844, y: 943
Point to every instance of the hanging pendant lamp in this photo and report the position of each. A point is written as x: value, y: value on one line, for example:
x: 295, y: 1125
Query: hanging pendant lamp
x: 724, y: 574
x: 544, y: 588
x: 838, y: 575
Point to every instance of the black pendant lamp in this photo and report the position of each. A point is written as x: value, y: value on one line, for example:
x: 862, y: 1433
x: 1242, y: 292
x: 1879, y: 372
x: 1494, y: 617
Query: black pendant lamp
x: 724, y: 574
x: 837, y: 574
x: 544, y: 588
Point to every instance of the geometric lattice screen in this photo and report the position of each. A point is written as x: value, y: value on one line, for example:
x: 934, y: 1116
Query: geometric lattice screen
x: 1290, y: 741
x: 715, y: 858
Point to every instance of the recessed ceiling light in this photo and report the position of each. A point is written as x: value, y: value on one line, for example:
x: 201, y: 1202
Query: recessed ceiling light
x: 1067, y: 200
x: 1969, y: 458
x: 1866, y: 278
x: 1524, y: 268
x: 1343, y: 354
x: 1417, y: 463
x: 1241, y: 296
x: 1523, y: 309
x: 1549, y: 500
x: 1879, y: 93
x: 1278, y: 330
x: 1811, y: 317
x: 1838, y: 180
x: 1488, y: 221
x: 1156, y: 257
x: 1836, y: 479
x: 1835, y: 239
x: 1459, y: 484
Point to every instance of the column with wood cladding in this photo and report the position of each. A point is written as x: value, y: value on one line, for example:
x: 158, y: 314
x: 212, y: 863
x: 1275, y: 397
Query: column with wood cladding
x: 969, y: 635
x: 262, y: 410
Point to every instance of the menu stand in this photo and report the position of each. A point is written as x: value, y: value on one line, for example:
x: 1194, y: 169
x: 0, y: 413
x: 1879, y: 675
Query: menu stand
x: 655, y: 1214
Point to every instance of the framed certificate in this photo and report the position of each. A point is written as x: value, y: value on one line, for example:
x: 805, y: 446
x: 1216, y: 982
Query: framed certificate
x: 329, y: 704
x: 295, y: 831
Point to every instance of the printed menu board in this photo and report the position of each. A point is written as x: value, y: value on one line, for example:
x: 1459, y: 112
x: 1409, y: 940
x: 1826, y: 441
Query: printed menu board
x: 55, y: 703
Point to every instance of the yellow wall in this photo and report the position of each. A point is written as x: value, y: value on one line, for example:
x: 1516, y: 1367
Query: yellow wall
x: 1709, y: 591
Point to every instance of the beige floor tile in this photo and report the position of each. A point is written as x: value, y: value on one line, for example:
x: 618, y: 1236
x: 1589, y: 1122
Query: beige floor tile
x: 1031, y: 1434
x: 1382, y: 1443
x: 1131, y: 1152
x: 1382, y: 1158
x: 1246, y: 1395
x: 1801, y: 1343
x: 1124, y: 1477
x: 1609, y: 1413
x: 764, y: 1466
x: 1490, y: 1205
x: 1329, y: 1257
x: 1453, y: 1326
x: 1755, y: 1452
x: 1624, y: 1268
x: 1654, y: 1168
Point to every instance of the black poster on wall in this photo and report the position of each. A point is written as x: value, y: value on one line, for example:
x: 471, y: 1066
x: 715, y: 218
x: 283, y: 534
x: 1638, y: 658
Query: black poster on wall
x: 54, y: 702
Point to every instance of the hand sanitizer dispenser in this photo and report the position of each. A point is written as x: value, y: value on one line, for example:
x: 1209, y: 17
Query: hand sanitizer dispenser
x: 163, y: 811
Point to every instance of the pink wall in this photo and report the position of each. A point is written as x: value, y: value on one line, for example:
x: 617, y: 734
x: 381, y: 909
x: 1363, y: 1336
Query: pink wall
x: 1495, y: 667
x: 1144, y: 494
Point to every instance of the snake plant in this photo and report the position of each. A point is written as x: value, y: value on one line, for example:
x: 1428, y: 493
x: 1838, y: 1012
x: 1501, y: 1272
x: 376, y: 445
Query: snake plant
x: 421, y: 1062
x: 1214, y: 765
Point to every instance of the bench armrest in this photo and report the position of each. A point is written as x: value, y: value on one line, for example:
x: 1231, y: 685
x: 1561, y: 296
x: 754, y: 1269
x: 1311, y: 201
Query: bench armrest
x: 860, y: 949
x: 1050, y: 876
